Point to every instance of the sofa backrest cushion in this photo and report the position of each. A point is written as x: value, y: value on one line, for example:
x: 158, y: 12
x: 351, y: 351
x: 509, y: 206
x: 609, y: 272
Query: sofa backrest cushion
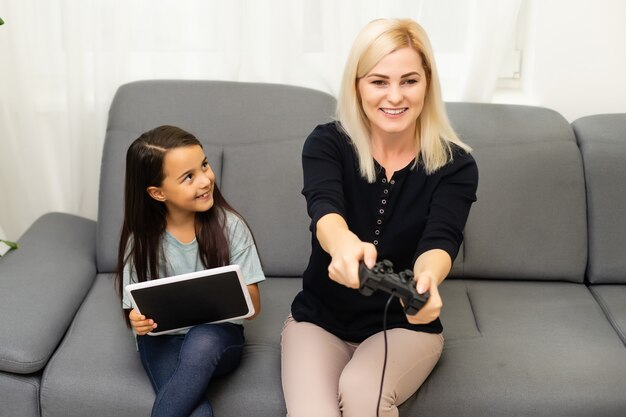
x: 602, y: 140
x: 252, y: 134
x: 530, y: 218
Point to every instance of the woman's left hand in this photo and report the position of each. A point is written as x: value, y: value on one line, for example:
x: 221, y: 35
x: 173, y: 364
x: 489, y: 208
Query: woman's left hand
x: 432, y: 309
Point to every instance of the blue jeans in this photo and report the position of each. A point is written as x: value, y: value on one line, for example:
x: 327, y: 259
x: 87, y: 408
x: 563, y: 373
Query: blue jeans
x: 180, y: 367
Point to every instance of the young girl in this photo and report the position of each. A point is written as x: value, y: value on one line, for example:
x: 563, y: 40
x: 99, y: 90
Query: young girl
x: 176, y: 221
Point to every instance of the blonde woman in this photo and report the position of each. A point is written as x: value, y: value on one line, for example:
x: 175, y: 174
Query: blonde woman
x: 388, y: 180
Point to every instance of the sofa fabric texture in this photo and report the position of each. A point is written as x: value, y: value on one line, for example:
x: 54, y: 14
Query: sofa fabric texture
x: 58, y: 251
x: 601, y: 139
x: 534, y: 311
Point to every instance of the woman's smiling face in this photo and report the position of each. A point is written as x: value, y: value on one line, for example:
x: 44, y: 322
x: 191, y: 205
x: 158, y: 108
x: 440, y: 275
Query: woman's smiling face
x: 392, y: 93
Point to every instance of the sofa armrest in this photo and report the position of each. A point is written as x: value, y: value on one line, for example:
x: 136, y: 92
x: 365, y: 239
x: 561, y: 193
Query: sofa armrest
x: 42, y: 284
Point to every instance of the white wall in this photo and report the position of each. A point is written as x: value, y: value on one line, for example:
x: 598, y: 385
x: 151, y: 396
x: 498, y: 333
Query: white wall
x: 575, y: 56
x: 573, y: 61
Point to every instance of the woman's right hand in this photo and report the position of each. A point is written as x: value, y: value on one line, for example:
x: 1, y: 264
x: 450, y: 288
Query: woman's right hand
x: 348, y: 251
x: 140, y: 324
x: 345, y: 249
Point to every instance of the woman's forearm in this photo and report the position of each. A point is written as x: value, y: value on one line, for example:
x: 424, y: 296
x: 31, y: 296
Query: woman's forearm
x: 330, y: 230
x: 435, y: 261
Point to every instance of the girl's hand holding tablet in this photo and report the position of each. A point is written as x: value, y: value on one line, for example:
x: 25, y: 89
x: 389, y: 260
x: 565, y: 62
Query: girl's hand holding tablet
x: 140, y: 324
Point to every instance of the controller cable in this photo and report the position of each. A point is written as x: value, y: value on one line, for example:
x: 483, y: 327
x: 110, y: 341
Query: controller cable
x: 382, y: 378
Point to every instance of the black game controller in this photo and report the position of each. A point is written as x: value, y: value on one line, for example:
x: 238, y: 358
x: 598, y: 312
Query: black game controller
x: 402, y: 285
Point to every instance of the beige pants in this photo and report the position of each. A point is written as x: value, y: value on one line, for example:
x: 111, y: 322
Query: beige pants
x: 324, y: 376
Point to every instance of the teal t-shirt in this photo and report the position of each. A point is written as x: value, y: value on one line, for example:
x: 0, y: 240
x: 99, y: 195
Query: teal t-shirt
x: 181, y: 258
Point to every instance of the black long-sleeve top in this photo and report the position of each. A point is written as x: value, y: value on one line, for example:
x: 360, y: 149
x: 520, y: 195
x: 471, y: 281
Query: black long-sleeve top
x: 404, y: 217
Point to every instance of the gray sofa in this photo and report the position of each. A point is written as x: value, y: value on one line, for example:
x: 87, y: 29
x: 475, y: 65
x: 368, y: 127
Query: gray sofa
x: 534, y: 312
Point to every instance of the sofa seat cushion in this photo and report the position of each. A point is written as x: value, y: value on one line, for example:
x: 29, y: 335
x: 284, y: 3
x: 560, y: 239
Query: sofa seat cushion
x: 254, y: 388
x: 612, y: 299
x: 96, y: 371
x: 532, y: 349
x: 19, y: 395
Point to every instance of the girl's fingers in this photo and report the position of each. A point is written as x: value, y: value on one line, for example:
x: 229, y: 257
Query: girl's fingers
x: 142, y: 330
x: 141, y: 324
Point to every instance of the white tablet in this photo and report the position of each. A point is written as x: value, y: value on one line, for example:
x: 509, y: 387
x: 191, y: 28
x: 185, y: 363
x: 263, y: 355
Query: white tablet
x: 175, y: 303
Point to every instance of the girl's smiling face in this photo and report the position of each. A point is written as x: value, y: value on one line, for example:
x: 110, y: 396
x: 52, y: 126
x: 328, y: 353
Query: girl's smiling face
x: 188, y: 181
x: 392, y: 93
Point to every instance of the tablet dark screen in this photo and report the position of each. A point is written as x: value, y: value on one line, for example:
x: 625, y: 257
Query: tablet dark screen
x: 193, y: 301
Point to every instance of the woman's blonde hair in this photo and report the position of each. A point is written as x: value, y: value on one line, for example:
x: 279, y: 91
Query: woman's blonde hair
x: 433, y: 133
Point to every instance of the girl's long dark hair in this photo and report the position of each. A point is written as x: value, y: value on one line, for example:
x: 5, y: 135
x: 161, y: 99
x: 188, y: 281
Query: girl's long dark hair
x: 145, y: 217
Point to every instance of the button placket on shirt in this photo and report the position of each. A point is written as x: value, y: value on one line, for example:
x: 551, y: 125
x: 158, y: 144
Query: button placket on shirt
x: 384, y: 198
